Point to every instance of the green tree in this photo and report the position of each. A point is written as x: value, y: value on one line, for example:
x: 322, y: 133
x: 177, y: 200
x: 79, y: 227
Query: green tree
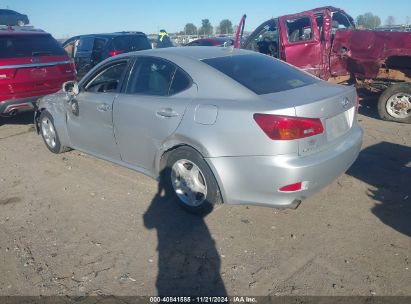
x: 190, y: 29
x: 368, y: 21
x: 226, y: 27
x: 390, y: 21
x: 206, y: 27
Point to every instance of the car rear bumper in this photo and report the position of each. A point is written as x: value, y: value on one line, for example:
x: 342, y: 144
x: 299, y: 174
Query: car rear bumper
x: 256, y: 180
x: 12, y: 106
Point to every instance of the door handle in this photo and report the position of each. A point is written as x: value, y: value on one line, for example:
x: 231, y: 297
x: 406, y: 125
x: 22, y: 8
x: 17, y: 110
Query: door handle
x: 167, y: 112
x: 103, y: 107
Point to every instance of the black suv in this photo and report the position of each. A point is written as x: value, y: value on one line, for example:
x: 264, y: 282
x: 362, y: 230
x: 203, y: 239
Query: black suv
x: 88, y: 50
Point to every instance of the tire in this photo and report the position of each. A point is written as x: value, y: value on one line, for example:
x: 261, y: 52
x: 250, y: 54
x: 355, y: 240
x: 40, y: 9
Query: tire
x: 20, y: 23
x: 49, y: 133
x: 394, y: 103
x: 190, y: 181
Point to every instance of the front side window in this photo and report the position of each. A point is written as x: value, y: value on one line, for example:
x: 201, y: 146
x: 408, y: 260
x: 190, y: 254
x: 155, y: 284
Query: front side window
x: 108, y: 80
x: 261, y: 74
x: 265, y: 41
x: 299, y: 29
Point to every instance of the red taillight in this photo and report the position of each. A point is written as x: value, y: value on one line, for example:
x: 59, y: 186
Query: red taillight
x: 279, y: 127
x: 7, y: 73
x: 292, y: 187
x: 116, y: 52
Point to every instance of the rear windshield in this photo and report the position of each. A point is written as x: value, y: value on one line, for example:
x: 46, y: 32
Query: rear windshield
x: 261, y: 74
x: 130, y: 43
x: 28, y: 46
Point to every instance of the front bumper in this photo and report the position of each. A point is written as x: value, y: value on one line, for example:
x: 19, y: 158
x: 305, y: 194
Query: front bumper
x: 255, y: 180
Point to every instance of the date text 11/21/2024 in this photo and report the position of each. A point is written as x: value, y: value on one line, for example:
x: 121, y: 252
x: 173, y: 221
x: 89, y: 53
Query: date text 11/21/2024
x: 203, y: 299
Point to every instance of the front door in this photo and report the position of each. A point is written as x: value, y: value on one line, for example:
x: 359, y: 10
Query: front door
x: 156, y: 97
x: 90, y: 119
x: 301, y: 42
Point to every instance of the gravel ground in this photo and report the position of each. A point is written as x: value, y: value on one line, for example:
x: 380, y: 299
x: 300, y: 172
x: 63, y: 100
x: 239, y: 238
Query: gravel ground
x: 71, y: 224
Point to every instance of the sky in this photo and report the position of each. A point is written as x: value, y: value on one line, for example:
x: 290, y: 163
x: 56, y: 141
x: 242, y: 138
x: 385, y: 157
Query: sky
x: 64, y: 19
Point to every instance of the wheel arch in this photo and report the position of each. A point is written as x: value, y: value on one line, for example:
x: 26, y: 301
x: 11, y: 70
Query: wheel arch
x: 202, y: 151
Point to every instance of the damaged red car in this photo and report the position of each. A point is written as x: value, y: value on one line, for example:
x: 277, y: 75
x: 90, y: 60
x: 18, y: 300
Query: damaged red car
x: 325, y: 42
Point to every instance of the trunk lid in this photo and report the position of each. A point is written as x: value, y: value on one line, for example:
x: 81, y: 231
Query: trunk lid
x: 334, y: 105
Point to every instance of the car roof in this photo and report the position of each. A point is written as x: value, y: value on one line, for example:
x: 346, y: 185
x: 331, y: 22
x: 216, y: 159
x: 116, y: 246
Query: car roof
x: 193, y: 52
x: 106, y: 35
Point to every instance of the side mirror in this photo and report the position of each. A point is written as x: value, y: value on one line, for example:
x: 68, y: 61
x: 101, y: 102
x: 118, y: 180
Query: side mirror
x: 71, y: 88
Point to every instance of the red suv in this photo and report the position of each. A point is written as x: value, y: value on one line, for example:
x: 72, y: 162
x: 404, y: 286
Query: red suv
x: 32, y: 64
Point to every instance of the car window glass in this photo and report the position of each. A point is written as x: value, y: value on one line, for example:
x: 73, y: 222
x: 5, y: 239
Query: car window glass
x: 340, y: 21
x: 205, y: 43
x: 85, y: 44
x: 194, y: 43
x: 180, y: 82
x: 320, y: 23
x: 69, y: 48
x: 151, y: 76
x: 299, y: 29
x: 28, y: 46
x: 130, y: 43
x: 261, y: 74
x: 107, y: 80
x: 266, y: 40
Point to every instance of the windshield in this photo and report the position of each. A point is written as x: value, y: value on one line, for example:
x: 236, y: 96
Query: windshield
x: 261, y: 74
x: 28, y: 46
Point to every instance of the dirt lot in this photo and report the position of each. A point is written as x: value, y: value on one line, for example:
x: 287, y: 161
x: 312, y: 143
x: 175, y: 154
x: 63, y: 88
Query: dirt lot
x: 75, y: 225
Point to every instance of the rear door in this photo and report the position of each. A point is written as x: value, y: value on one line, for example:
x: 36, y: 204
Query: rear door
x: 301, y: 42
x: 90, y: 121
x: 156, y: 97
x: 32, y: 65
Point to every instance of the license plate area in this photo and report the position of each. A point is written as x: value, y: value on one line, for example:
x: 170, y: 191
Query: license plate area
x: 340, y: 124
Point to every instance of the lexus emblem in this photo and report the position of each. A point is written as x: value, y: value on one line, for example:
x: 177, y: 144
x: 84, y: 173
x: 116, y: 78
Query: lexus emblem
x: 345, y: 102
x: 35, y: 59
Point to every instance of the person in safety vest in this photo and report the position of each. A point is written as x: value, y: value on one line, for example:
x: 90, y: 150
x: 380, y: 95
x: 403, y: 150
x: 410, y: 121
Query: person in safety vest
x: 163, y: 40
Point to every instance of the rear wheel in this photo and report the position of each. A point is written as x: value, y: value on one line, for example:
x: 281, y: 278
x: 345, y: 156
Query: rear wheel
x: 49, y: 133
x: 395, y: 103
x: 191, y: 181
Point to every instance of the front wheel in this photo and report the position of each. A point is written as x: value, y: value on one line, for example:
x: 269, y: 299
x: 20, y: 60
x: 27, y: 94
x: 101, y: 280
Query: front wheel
x: 191, y: 181
x: 49, y: 133
x: 395, y: 103
x: 20, y: 23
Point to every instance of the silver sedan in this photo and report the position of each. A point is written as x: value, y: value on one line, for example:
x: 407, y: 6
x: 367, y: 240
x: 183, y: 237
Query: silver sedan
x: 214, y: 125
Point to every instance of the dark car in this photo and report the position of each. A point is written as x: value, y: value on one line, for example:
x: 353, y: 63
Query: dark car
x: 89, y: 50
x: 9, y: 17
x: 32, y: 65
x: 214, y: 41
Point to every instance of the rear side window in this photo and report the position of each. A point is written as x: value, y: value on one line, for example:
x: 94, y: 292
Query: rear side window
x: 130, y: 43
x: 28, y: 46
x: 155, y: 76
x: 261, y: 74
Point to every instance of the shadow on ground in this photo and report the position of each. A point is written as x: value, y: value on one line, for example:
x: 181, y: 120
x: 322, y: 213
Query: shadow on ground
x: 368, y: 103
x: 188, y: 261
x: 19, y: 119
x: 386, y: 167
